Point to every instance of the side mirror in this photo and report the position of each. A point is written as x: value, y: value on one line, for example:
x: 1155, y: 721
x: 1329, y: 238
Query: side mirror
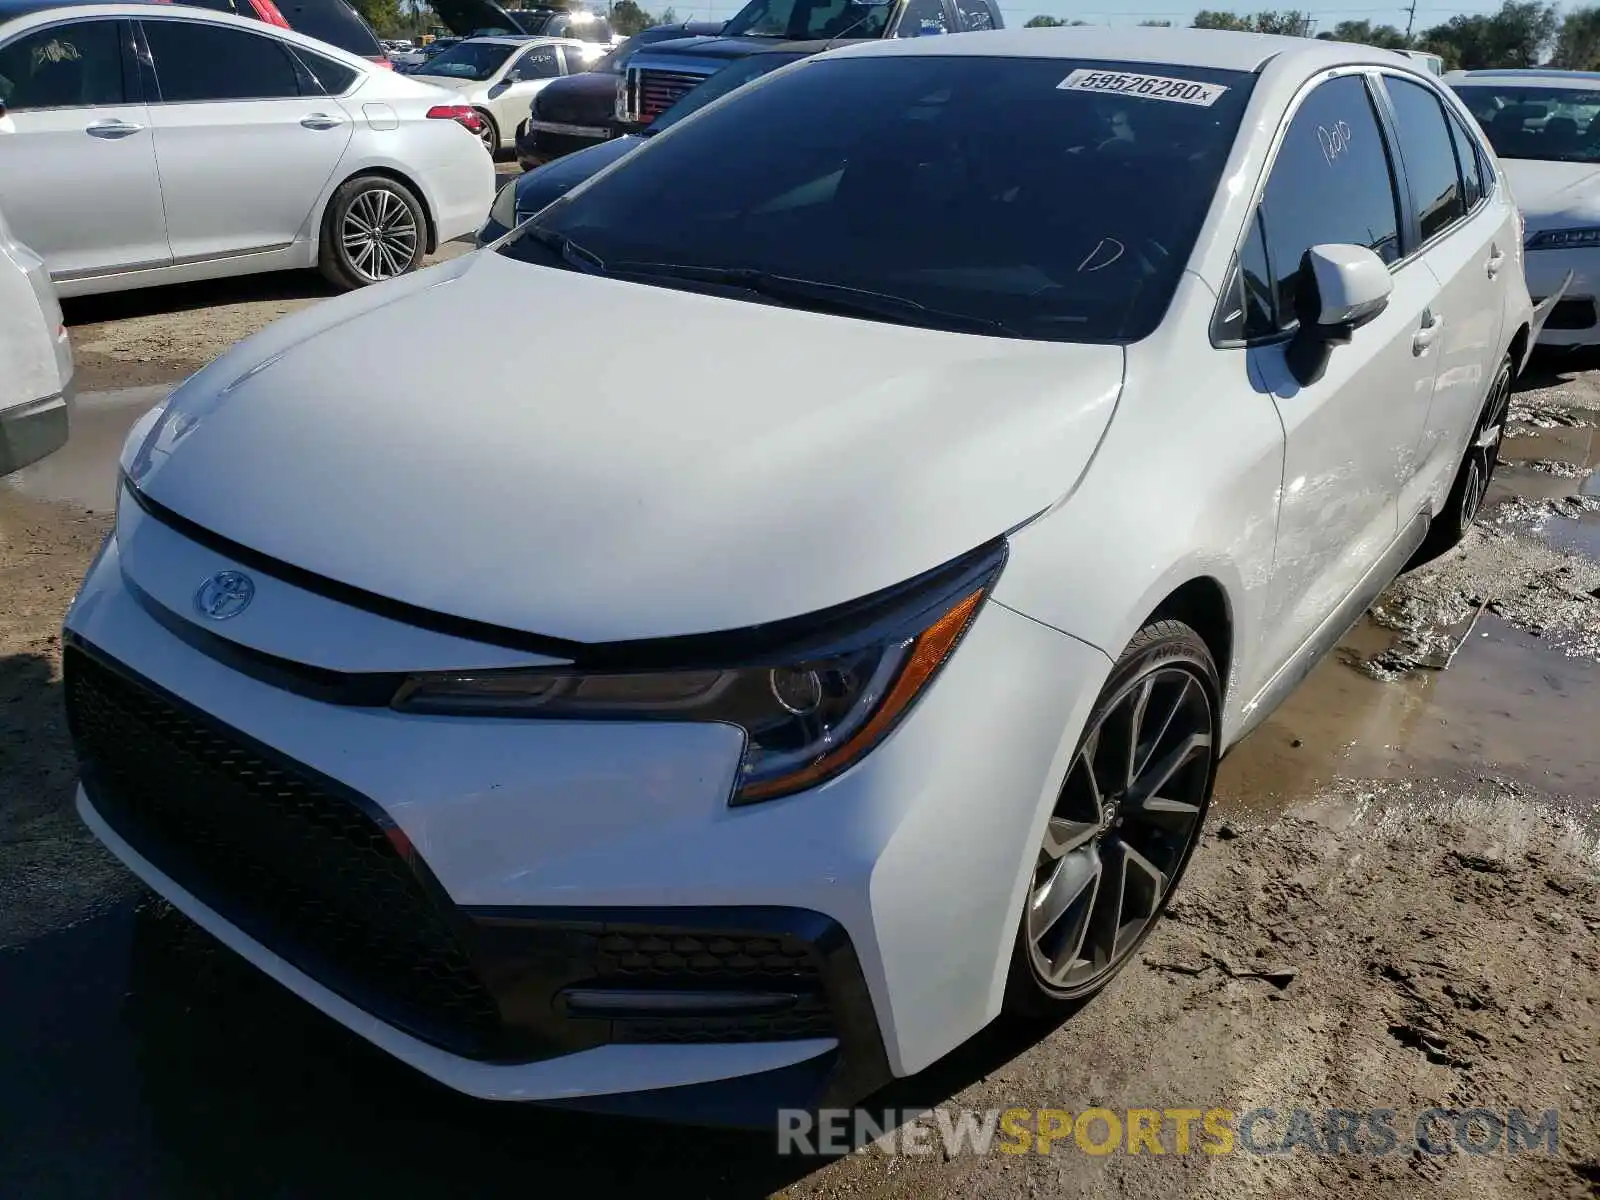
x: 1340, y: 289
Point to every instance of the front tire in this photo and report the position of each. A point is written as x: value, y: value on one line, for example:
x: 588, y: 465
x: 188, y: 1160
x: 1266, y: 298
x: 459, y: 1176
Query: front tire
x: 374, y: 230
x: 1124, y: 825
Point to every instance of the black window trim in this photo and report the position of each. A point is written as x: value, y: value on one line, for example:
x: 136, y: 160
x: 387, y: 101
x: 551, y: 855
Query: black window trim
x: 1397, y: 181
x: 302, y: 55
x: 1447, y: 110
x: 132, y: 81
x: 152, y: 77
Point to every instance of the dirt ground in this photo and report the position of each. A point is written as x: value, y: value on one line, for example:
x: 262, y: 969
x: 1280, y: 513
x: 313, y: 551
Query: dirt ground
x: 1396, y: 906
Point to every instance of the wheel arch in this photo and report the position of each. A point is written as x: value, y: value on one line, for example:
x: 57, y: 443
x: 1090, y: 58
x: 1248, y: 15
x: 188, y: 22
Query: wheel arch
x: 1519, y: 348
x: 397, y: 176
x: 1202, y: 604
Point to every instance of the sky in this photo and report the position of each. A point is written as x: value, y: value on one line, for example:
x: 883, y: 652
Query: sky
x: 1131, y: 12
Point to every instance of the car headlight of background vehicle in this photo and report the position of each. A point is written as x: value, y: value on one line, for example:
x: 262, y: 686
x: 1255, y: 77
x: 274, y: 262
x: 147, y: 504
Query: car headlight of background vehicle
x: 809, y: 709
x: 504, y: 209
x: 1565, y: 239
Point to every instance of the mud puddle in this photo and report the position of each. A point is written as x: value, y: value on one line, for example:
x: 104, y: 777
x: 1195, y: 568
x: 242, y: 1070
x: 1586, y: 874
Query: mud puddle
x: 83, y: 473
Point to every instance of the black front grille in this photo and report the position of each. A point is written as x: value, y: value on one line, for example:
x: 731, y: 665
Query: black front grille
x: 285, y: 856
x: 1576, y: 313
x: 660, y: 90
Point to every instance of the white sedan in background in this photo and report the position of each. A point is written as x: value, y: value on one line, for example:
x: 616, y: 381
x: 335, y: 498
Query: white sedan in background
x: 238, y: 148
x: 35, y: 358
x: 786, y: 720
x: 499, y: 76
x: 1545, y: 126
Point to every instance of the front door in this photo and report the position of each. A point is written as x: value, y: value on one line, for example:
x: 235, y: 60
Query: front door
x: 244, y: 154
x: 1349, y: 436
x: 78, y: 180
x: 511, y: 97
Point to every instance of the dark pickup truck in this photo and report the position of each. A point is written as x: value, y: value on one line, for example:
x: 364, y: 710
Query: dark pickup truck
x: 580, y: 110
x: 658, y: 76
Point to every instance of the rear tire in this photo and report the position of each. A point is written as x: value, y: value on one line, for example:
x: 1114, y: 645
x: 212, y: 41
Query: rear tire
x: 1124, y: 825
x: 375, y: 229
x: 1465, y: 502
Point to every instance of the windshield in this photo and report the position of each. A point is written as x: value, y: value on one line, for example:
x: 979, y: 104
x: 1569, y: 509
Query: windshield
x: 471, y: 60
x: 913, y: 177
x: 733, y: 76
x: 1555, y: 124
x: 807, y: 20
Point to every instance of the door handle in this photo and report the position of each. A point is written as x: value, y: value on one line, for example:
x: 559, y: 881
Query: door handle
x: 112, y: 129
x: 320, y: 121
x: 1497, y: 258
x: 1432, y: 326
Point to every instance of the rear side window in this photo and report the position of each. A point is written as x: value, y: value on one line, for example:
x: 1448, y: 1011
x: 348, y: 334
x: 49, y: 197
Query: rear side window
x: 1331, y: 182
x: 65, y: 66
x: 334, y: 22
x: 334, y: 78
x: 196, y: 62
x: 1471, y: 164
x: 1428, y: 155
x: 976, y: 15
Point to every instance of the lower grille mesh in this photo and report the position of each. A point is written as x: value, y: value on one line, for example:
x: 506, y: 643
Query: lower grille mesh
x: 296, y: 865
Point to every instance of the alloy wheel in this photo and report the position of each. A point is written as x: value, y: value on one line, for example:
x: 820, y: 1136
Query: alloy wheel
x: 489, y: 136
x: 1484, y: 453
x: 379, y: 235
x: 1121, y: 830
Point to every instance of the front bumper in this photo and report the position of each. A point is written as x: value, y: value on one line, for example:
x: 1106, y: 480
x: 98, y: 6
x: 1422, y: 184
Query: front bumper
x: 1574, y: 319
x: 539, y: 857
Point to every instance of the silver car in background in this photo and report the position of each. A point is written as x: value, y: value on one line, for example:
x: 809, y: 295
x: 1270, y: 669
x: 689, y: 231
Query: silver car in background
x: 148, y: 144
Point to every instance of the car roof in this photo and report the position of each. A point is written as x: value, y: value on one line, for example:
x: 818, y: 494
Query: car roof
x: 1574, y: 79
x: 22, y: 8
x: 1222, y: 49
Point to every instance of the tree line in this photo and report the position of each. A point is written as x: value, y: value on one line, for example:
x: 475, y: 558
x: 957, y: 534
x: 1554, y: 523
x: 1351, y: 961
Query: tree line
x: 1523, y: 33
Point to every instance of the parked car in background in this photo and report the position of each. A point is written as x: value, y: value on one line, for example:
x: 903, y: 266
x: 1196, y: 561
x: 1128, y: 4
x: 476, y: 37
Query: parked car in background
x: 331, y: 21
x: 485, y: 18
x: 499, y: 76
x: 352, y: 169
x: 782, y: 722
x: 548, y: 183
x: 35, y: 358
x: 1543, y: 125
x: 410, y: 60
x: 657, y: 77
x: 1431, y: 63
x: 581, y: 110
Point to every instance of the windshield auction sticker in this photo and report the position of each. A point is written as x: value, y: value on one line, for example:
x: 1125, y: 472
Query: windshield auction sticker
x: 1147, y: 87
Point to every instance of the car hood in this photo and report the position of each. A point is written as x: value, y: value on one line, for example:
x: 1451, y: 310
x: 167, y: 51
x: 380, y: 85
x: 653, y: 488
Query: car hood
x: 475, y: 90
x: 589, y: 98
x: 794, y: 461
x: 1551, y: 192
x: 548, y: 183
x: 708, y: 47
x: 463, y: 17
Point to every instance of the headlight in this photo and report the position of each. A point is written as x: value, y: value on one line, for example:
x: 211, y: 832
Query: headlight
x: 1565, y: 239
x: 504, y: 210
x: 811, y: 696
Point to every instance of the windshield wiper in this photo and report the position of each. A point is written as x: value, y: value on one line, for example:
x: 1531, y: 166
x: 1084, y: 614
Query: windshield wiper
x: 571, y: 253
x: 816, y: 295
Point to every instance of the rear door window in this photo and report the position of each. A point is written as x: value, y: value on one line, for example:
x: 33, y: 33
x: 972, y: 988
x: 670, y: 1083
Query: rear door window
x: 1331, y: 182
x: 1428, y: 155
x: 197, y: 62
x: 78, y: 65
x: 334, y: 22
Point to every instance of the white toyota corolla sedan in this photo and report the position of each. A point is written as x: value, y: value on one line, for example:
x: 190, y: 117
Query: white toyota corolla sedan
x: 145, y: 144
x: 679, y: 732
x: 1543, y: 125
